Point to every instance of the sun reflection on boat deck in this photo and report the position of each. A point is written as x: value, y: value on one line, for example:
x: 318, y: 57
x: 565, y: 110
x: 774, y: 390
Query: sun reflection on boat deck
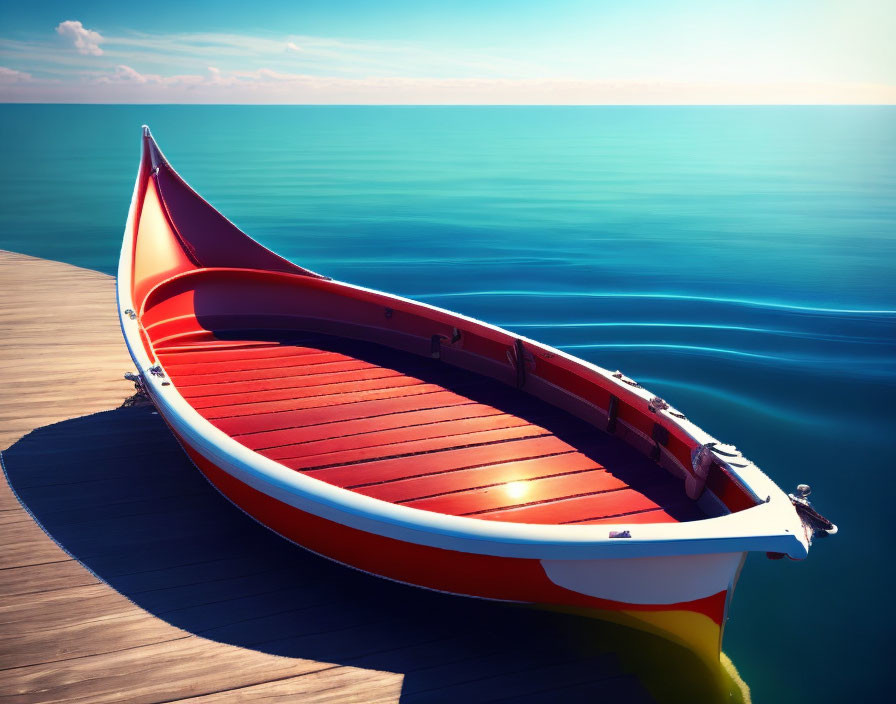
x: 516, y: 490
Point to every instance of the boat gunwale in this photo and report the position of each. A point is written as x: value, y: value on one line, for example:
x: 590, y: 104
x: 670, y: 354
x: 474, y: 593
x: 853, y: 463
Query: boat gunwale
x: 772, y: 525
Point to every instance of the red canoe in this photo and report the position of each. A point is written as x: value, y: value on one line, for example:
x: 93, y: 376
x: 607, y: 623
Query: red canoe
x: 430, y: 448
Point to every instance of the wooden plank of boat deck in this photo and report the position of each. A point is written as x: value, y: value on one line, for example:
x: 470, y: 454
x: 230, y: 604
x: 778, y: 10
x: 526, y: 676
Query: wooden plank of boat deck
x: 226, y: 352
x: 501, y: 433
x: 357, y: 426
x: 335, y: 397
x: 465, y: 480
x: 445, y: 461
x: 433, y: 397
x: 294, y: 387
x: 293, y: 367
x: 223, y: 347
x: 569, y: 508
x: 66, y: 636
x: 328, y: 386
x: 392, y: 436
x: 498, y: 496
x: 238, y: 364
x: 293, y: 380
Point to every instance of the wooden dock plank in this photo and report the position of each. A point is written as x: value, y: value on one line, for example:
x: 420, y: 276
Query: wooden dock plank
x: 164, y: 592
x: 324, y: 686
x: 31, y: 579
x: 170, y: 670
x: 26, y: 544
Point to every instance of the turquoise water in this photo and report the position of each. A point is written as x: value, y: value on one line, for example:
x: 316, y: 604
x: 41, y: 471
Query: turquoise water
x: 740, y: 262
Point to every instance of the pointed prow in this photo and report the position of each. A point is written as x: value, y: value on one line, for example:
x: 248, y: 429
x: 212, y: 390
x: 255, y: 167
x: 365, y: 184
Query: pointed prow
x: 177, y: 231
x: 151, y: 150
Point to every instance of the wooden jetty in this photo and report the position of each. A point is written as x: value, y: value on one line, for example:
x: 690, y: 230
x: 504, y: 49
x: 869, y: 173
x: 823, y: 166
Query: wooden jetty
x: 120, y: 581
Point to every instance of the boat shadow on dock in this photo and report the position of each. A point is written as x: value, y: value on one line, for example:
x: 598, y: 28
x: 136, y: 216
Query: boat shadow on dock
x: 116, y: 491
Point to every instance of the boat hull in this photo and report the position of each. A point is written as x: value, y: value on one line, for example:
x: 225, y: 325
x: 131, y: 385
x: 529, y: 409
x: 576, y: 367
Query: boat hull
x: 188, y: 278
x: 676, y: 597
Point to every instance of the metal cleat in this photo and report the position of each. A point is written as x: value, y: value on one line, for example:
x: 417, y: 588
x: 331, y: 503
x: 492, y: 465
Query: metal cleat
x: 656, y: 404
x: 816, y: 525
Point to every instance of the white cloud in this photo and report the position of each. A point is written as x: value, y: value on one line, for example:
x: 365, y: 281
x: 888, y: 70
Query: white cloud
x: 216, y: 77
x: 153, y: 82
x: 262, y: 74
x: 86, y: 41
x: 292, y: 46
x: 10, y: 75
x: 126, y: 73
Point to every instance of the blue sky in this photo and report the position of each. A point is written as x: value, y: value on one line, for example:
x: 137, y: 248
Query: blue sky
x: 393, y: 51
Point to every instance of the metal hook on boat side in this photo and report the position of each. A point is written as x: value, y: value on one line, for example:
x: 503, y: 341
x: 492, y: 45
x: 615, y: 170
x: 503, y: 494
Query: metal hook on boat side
x: 656, y: 404
x: 435, y: 348
x: 816, y: 525
x: 160, y: 373
x: 701, y: 462
x: 612, y: 414
x: 137, y: 379
x: 625, y: 379
x: 520, y: 358
x: 435, y: 345
x: 139, y: 397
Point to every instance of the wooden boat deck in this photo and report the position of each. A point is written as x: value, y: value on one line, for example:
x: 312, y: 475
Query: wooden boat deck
x: 417, y: 432
x: 153, y: 588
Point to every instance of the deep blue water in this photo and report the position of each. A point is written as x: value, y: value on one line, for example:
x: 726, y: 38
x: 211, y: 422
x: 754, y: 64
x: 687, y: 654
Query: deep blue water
x: 740, y: 262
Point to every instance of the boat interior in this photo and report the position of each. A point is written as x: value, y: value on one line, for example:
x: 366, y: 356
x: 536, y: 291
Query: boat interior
x: 390, y: 398
x: 411, y: 430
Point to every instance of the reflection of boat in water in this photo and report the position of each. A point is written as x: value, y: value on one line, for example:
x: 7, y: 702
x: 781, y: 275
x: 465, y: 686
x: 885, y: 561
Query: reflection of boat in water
x: 430, y: 448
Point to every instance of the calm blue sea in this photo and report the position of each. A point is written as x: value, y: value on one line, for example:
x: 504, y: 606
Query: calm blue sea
x: 740, y: 262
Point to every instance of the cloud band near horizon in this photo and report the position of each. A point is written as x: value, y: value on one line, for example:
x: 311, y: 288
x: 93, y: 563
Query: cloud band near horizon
x: 85, y: 65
